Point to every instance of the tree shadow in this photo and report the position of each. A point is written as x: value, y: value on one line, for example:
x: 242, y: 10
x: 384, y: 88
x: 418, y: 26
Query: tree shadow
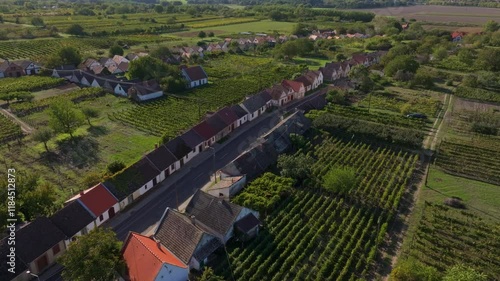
x: 96, y: 131
x: 79, y: 151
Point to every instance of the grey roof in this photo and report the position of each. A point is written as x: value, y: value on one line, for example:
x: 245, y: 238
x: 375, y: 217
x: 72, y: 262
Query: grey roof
x: 161, y: 157
x: 217, y: 123
x: 192, y: 139
x: 238, y: 110
x: 254, y: 103
x: 72, y: 218
x: 217, y: 214
x: 247, y: 223
x: 178, y: 147
x: 180, y: 236
x: 36, y: 238
x: 65, y: 67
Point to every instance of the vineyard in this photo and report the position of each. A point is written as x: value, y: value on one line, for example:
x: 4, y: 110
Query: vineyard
x: 395, y: 102
x: 170, y: 116
x: 37, y: 49
x: 312, y: 235
x: 174, y: 114
x: 8, y: 129
x: 26, y: 108
x: 446, y: 237
x: 28, y: 83
x: 470, y: 161
x: 477, y: 94
x: 220, y: 22
x: 226, y: 66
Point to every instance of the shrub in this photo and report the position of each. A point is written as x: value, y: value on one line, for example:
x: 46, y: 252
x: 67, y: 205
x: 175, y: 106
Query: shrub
x: 455, y: 202
x: 115, y: 167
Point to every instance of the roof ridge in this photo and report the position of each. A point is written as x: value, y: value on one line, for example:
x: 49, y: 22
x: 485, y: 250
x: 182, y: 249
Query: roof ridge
x: 154, y: 254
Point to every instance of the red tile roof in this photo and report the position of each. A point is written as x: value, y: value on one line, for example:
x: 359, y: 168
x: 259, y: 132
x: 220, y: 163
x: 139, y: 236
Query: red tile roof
x: 295, y: 85
x: 305, y: 80
x: 97, y: 199
x: 204, y: 130
x: 144, y: 257
x: 227, y: 115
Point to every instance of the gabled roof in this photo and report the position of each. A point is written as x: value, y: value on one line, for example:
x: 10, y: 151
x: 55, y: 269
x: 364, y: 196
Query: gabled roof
x: 88, y: 62
x: 123, y: 66
x: 144, y: 257
x: 217, y: 123
x: 247, y: 223
x: 96, y: 199
x: 178, y: 147
x: 23, y: 63
x: 72, y: 218
x: 195, y: 73
x: 294, y: 85
x: 132, y: 178
x: 265, y: 96
x: 239, y: 111
x: 181, y: 237
x: 161, y: 157
x: 304, y: 80
x: 359, y: 58
x: 227, y: 115
x: 277, y: 91
x: 36, y: 238
x: 21, y: 266
x: 192, y: 138
x: 205, y: 130
x: 217, y: 214
x: 253, y: 103
x: 4, y: 65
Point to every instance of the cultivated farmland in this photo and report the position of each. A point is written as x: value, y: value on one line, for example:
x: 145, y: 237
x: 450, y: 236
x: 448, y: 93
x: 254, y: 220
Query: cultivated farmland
x: 8, y: 129
x: 312, y: 235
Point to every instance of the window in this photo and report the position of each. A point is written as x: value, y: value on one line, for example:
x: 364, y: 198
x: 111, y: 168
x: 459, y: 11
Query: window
x: 172, y: 166
x: 56, y: 249
x: 101, y: 217
x: 42, y: 262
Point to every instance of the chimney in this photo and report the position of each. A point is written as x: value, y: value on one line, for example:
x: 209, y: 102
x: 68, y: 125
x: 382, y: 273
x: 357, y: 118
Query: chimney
x: 193, y: 221
x: 221, y: 195
x: 158, y: 244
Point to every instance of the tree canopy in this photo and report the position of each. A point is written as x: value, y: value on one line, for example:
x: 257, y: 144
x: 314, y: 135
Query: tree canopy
x: 115, y: 50
x: 75, y: 29
x: 95, y: 256
x: 462, y: 272
x: 295, y: 166
x: 413, y: 270
x: 64, y: 117
x: 149, y: 67
x: 403, y: 63
x: 340, y: 180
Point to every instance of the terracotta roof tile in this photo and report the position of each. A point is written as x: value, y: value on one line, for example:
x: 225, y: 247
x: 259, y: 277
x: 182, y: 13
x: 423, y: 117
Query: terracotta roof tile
x: 97, y: 199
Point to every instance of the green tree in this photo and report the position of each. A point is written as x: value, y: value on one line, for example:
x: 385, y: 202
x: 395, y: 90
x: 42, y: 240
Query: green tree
x: 148, y: 67
x: 340, y: 180
x: 75, y: 29
x: 488, y: 59
x: 43, y: 135
x: 470, y: 80
x: 69, y: 55
x: 462, y: 272
x: 340, y: 57
x: 297, y: 166
x: 115, y: 50
x: 491, y: 26
x: 336, y: 96
x: 360, y: 75
x: 159, y: 9
x: 423, y: 79
x: 64, y: 117
x: 89, y: 113
x: 209, y: 275
x: 202, y: 34
x: 38, y: 200
x: 403, y: 63
x: 413, y: 270
x: 37, y: 21
x: 467, y: 56
x: 211, y: 34
x: 440, y: 54
x: 95, y: 256
x: 161, y: 53
x: 115, y: 166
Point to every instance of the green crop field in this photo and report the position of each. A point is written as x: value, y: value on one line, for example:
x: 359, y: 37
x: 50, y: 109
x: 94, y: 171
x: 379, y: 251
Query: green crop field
x: 8, y: 130
x: 310, y: 235
x: 264, y: 26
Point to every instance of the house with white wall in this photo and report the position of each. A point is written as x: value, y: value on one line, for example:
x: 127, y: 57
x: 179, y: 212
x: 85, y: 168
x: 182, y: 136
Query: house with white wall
x: 74, y: 220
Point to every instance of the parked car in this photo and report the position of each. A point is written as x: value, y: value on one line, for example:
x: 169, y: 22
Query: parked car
x: 417, y: 115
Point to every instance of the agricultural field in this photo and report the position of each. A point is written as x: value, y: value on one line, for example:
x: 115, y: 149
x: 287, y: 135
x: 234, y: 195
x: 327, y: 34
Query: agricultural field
x: 313, y: 235
x: 8, y: 129
x: 226, y: 66
x: 264, y: 26
x: 187, y: 109
x: 67, y: 164
x: 28, y: 83
x: 446, y: 236
x: 37, y: 49
x: 443, y: 14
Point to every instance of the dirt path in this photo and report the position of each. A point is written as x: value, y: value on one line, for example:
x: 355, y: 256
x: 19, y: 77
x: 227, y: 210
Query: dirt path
x: 428, y: 148
x: 25, y: 127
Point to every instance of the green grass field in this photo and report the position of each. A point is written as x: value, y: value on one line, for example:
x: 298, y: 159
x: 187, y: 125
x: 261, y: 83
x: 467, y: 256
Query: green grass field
x: 97, y: 146
x: 265, y: 26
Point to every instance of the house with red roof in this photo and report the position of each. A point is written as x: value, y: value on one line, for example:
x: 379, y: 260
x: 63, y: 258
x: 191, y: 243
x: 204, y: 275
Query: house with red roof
x: 206, y: 132
x: 358, y: 59
x: 149, y: 260
x: 195, y: 76
x: 230, y: 119
x: 298, y: 89
x: 99, y: 201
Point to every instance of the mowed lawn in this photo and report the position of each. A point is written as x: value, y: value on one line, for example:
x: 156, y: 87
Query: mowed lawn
x: 97, y: 145
x: 480, y: 198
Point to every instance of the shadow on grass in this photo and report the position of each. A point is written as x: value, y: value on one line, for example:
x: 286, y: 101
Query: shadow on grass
x: 98, y: 130
x: 79, y: 151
